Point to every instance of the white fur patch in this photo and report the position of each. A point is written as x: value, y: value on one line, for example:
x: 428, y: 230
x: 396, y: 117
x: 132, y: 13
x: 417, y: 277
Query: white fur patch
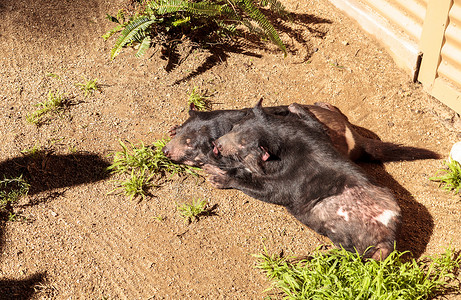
x: 385, y: 217
x: 343, y: 214
x: 349, y: 140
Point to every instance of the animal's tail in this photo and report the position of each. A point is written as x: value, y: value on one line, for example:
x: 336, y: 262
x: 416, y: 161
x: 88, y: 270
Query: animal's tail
x: 383, y: 151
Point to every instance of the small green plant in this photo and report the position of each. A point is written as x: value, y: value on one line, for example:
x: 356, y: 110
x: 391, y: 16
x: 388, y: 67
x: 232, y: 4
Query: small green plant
x: 160, y: 218
x: 451, y: 180
x: 157, y: 21
x: 339, y: 274
x: 137, y: 185
x: 150, y: 158
x: 55, y: 102
x: 11, y: 190
x: 53, y: 75
x: 145, y: 166
x: 33, y: 152
x: 88, y: 86
x: 200, y: 101
x: 192, y: 211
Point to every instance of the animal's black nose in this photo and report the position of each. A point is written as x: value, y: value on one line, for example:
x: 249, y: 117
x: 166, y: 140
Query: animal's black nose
x: 166, y: 151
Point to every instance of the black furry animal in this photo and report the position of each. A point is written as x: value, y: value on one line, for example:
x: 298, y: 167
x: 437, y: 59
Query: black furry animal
x: 290, y: 161
x: 192, y: 142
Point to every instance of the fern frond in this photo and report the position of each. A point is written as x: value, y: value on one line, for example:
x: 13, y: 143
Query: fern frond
x: 132, y: 31
x: 163, y: 7
x: 256, y: 15
x: 145, y: 44
x: 113, y: 31
x: 204, y: 8
x: 180, y: 22
x: 275, y: 5
x: 194, y: 8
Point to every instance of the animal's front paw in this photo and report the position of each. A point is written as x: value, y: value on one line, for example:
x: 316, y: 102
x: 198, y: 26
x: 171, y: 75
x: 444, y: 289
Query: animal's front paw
x: 217, y: 177
x: 172, y: 131
x: 219, y: 181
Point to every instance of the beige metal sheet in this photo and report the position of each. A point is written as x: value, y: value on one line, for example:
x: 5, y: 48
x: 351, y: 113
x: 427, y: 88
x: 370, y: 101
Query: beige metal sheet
x: 450, y: 64
x: 407, y: 15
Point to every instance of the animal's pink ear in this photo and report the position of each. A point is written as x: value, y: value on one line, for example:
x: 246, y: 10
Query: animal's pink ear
x: 265, y: 155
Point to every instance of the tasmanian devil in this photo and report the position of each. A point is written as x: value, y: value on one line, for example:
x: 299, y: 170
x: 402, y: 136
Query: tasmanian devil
x: 290, y: 161
x: 191, y: 142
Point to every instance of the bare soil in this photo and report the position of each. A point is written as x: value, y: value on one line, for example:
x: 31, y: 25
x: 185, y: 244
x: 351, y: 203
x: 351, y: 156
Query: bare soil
x: 77, y: 241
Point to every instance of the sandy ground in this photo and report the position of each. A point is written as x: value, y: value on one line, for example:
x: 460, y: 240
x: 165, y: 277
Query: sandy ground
x: 79, y: 242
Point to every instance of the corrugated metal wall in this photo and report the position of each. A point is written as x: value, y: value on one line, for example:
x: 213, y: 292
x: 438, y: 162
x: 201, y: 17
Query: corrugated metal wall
x: 407, y: 15
x: 418, y: 33
x: 450, y: 66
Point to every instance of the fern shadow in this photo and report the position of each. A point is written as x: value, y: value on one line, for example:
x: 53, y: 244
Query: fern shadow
x: 301, y: 28
x: 218, y: 54
x: 247, y: 43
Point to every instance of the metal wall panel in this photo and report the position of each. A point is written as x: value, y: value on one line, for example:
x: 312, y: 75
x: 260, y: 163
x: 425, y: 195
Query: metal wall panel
x: 407, y: 15
x: 450, y: 65
x: 423, y: 36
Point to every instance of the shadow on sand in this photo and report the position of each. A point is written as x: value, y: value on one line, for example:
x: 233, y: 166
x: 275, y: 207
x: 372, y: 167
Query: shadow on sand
x: 45, y: 171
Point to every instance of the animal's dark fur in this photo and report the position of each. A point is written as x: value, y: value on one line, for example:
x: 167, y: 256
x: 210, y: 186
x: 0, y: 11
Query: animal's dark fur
x: 192, y: 141
x: 290, y: 161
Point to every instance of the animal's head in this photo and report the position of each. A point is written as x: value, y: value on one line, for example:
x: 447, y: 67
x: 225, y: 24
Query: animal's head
x: 190, y: 142
x: 248, y: 142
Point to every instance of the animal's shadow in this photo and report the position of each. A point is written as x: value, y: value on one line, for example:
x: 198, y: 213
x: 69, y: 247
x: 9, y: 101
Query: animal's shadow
x: 417, y: 223
x: 44, y: 171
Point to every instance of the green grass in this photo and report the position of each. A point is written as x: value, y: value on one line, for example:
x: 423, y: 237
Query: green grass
x: 192, y: 211
x: 137, y: 185
x: 88, y: 86
x: 339, y: 274
x: 145, y: 167
x: 33, y: 152
x: 11, y: 190
x: 451, y: 179
x: 199, y: 100
x: 55, y: 103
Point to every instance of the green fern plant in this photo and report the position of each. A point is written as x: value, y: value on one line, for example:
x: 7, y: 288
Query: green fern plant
x: 158, y: 21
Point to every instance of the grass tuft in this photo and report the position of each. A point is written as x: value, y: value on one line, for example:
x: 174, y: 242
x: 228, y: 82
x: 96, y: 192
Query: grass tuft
x: 192, y: 211
x: 55, y: 103
x: 339, y: 274
x: 88, y: 86
x: 137, y: 185
x: 451, y: 180
x: 145, y: 166
x: 199, y: 100
x: 11, y: 190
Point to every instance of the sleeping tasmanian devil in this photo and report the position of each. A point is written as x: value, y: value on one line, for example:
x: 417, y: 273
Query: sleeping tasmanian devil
x: 191, y: 142
x: 291, y: 161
